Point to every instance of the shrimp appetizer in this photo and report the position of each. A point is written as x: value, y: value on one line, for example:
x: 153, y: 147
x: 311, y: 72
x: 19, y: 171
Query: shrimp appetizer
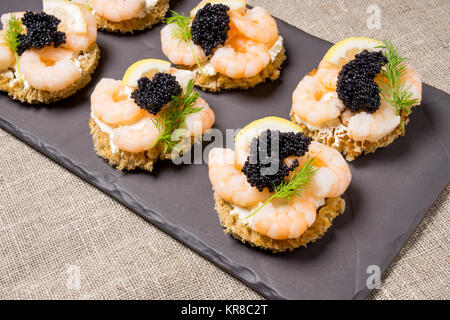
x: 277, y: 189
x: 153, y: 113
x: 359, y: 99
x: 126, y: 16
x: 227, y: 45
x: 48, y: 56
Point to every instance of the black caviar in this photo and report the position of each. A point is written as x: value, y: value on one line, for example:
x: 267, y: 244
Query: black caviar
x: 262, y: 157
x: 210, y: 27
x: 42, y: 31
x: 152, y: 95
x: 356, y: 86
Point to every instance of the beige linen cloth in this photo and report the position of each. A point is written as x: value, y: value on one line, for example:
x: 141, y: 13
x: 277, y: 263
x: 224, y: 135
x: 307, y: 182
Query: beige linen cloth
x: 62, y: 238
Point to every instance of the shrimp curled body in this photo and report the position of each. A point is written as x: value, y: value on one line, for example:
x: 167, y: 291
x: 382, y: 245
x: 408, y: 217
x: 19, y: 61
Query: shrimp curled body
x: 50, y: 69
x: 178, y: 51
x: 110, y: 103
x: 241, y: 58
x: 256, y: 24
x: 119, y: 10
x: 81, y: 42
x: 312, y: 103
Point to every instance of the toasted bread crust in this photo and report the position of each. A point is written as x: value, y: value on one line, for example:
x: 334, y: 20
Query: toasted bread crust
x: 123, y: 160
x: 234, y: 226
x: 153, y: 17
x: 18, y: 91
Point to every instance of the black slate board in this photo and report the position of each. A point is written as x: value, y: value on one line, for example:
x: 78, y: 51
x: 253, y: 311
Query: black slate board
x: 389, y: 195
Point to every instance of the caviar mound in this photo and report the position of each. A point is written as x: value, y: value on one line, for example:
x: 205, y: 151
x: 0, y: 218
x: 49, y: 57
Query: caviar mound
x: 42, y: 31
x: 356, y: 86
x: 210, y: 27
x: 264, y: 167
x: 152, y: 95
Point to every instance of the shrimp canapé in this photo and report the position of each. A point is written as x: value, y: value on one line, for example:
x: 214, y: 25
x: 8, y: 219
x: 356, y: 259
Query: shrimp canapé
x: 252, y: 196
x: 49, y: 69
x: 139, y: 113
x: 229, y: 47
x: 348, y: 101
x: 57, y: 60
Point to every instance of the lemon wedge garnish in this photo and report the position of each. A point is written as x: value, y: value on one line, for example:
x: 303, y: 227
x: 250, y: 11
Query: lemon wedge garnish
x: 144, y: 68
x: 71, y: 16
x: 345, y: 50
x: 254, y: 129
x: 233, y: 4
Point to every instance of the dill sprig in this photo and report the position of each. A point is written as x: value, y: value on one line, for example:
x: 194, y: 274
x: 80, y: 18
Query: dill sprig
x: 173, y: 117
x: 395, y: 92
x: 298, y: 182
x: 12, y: 40
x: 183, y: 31
x: 88, y: 5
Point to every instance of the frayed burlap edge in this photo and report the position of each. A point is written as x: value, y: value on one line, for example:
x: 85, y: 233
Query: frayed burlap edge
x: 34, y: 96
x: 220, y: 82
x: 155, y: 16
x: 350, y: 148
x: 325, y: 216
x: 123, y: 160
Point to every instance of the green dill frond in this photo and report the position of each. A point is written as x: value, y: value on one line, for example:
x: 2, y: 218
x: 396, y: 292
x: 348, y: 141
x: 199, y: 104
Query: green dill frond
x: 13, y: 30
x: 294, y: 187
x: 395, y: 92
x: 173, y: 117
x: 88, y: 6
x: 11, y: 37
x: 182, y: 31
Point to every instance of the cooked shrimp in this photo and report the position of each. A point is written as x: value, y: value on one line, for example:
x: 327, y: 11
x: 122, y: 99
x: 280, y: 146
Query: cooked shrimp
x: 241, y: 58
x: 7, y: 58
x: 230, y: 183
x: 256, y: 24
x: 178, y: 51
x: 200, y: 122
x: 110, y: 103
x: 414, y: 83
x: 346, y: 116
x: 81, y: 42
x: 372, y: 127
x: 314, y: 104
x: 333, y: 175
x: 327, y: 74
x: 183, y: 76
x: 284, y: 219
x: 119, y: 10
x: 137, y: 138
x: 50, y: 69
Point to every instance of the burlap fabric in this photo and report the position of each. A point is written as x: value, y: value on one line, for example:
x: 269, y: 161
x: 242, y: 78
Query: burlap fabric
x: 62, y: 238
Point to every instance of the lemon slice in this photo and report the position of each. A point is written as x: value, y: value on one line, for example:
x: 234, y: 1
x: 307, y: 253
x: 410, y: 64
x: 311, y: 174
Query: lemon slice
x: 144, y: 68
x: 345, y: 50
x: 71, y: 16
x: 233, y: 4
x: 244, y: 138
